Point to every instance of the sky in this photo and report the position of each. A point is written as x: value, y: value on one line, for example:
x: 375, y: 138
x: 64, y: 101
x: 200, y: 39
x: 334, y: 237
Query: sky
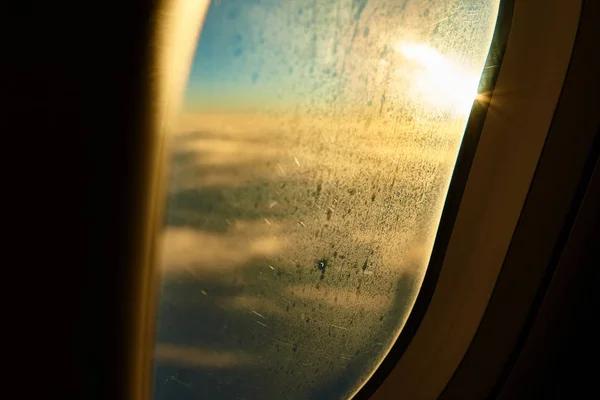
x: 239, y: 61
x: 323, y: 54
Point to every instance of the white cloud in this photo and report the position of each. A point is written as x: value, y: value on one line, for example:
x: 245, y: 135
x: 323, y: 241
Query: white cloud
x: 185, y: 249
x: 196, y: 357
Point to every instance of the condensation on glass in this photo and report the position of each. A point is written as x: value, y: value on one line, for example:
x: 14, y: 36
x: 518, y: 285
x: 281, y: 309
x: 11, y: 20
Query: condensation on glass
x: 308, y: 173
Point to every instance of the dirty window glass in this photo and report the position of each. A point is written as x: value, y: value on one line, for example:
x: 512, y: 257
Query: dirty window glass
x: 308, y: 171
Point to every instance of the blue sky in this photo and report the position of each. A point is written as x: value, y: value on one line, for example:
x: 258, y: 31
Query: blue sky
x: 237, y: 60
x: 269, y: 54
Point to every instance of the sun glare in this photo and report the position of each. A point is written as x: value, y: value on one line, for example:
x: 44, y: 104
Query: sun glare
x: 439, y: 81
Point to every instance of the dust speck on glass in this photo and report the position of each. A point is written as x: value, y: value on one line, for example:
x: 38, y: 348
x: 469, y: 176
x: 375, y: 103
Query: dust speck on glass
x: 308, y: 172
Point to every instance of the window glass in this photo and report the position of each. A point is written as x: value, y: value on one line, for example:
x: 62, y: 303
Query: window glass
x: 308, y: 173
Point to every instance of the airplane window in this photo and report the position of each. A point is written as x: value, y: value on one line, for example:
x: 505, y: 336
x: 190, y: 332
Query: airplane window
x: 308, y: 172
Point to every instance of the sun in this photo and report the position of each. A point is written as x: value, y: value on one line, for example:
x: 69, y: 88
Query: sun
x: 440, y: 82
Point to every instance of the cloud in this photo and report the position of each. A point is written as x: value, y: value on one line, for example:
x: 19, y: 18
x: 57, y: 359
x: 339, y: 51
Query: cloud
x: 196, y: 357
x: 340, y: 297
x: 229, y: 149
x: 185, y: 249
